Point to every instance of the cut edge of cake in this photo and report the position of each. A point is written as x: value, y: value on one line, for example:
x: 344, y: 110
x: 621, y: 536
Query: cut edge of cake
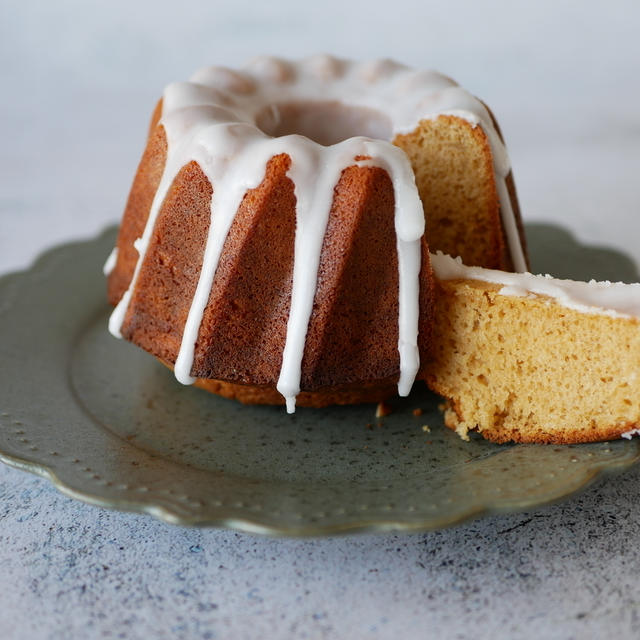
x: 534, y: 359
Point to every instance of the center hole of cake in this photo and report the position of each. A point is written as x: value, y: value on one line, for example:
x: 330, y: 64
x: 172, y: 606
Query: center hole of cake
x: 324, y: 122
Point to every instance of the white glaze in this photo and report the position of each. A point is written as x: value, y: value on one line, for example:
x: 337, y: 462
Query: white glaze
x: 212, y: 120
x: 615, y: 299
x: 110, y: 262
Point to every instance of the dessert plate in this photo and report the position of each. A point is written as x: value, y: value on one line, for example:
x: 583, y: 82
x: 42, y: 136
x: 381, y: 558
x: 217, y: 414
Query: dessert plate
x: 108, y: 424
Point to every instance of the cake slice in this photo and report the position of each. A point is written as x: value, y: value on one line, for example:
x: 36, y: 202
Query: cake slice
x: 535, y: 359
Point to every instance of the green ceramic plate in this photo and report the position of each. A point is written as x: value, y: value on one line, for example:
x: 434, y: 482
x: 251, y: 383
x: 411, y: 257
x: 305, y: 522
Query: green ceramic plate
x: 109, y: 425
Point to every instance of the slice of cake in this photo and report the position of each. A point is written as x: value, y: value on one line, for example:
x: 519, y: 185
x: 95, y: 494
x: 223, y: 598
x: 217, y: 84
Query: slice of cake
x: 529, y: 358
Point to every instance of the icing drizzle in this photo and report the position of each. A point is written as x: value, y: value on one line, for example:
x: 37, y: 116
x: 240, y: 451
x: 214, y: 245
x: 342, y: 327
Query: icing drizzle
x: 212, y: 120
x: 110, y: 262
x: 614, y: 299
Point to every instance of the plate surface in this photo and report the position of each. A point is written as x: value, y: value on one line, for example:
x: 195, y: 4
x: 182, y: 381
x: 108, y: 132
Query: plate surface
x: 109, y: 425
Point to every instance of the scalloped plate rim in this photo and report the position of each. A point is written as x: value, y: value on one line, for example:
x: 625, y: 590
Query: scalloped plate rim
x: 256, y: 527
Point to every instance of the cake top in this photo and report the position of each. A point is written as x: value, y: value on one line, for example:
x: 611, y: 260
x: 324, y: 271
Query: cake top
x: 330, y: 101
x: 615, y: 299
x: 397, y: 96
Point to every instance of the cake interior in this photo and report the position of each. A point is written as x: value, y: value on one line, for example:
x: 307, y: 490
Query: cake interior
x: 453, y: 168
x: 528, y: 369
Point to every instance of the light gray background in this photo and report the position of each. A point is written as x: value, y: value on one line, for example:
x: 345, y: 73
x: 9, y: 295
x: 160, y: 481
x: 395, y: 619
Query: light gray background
x: 78, y: 81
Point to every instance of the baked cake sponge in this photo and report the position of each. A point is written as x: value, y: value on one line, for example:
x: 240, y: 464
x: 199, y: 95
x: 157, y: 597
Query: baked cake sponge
x: 535, y: 359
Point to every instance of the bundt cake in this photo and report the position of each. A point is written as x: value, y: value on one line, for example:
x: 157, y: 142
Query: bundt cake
x: 272, y: 248
x: 534, y: 359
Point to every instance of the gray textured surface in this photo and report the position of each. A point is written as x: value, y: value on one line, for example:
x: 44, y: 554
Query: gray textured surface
x: 79, y: 81
x: 69, y: 570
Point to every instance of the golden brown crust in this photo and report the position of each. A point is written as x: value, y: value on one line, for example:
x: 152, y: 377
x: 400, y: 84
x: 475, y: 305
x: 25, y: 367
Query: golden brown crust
x: 352, y: 338
x: 351, y: 350
x: 143, y: 189
x: 355, y: 393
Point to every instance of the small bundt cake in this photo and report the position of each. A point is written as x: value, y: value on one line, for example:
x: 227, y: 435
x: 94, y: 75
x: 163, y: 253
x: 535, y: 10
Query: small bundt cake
x: 528, y: 358
x: 272, y: 248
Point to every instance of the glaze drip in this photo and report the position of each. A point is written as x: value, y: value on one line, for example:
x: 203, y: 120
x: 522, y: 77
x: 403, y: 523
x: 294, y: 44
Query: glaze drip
x: 213, y: 120
x: 110, y: 262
